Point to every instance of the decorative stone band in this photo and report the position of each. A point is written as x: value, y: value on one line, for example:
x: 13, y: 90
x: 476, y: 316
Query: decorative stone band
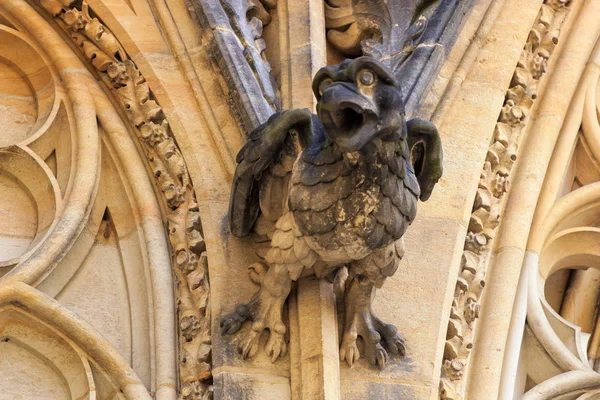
x: 494, y: 183
x: 190, y: 268
x: 233, y: 32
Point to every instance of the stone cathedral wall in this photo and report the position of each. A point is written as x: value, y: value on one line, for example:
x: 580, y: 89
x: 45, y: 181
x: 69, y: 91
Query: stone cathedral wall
x: 120, y: 262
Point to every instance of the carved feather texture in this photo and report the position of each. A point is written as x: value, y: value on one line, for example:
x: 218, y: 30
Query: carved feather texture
x: 263, y: 164
x: 290, y: 249
x: 329, y: 206
x: 372, y: 196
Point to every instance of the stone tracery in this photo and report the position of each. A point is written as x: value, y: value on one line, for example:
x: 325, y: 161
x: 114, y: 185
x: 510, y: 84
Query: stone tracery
x: 95, y: 197
x: 103, y: 51
x: 566, y: 238
x: 488, y: 204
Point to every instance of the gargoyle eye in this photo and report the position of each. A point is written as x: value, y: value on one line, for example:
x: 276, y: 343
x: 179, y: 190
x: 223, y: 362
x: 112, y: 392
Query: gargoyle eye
x: 366, y: 77
x: 324, y: 84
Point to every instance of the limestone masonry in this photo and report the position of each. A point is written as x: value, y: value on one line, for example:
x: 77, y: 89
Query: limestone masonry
x: 300, y: 199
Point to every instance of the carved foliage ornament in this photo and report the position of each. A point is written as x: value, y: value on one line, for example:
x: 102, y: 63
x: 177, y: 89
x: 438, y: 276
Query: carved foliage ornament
x: 236, y: 48
x: 190, y: 267
x: 247, y: 19
x: 359, y: 28
x: 411, y: 37
x: 494, y: 183
x: 332, y: 190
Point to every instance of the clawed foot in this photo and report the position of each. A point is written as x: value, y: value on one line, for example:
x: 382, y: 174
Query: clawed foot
x: 377, y: 337
x: 265, y: 312
x: 231, y: 323
x: 276, y: 346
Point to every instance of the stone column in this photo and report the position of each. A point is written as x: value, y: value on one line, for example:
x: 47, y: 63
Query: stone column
x: 314, y: 353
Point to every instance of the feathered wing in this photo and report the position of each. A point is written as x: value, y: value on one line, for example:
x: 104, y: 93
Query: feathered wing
x: 260, y: 183
x: 426, y: 154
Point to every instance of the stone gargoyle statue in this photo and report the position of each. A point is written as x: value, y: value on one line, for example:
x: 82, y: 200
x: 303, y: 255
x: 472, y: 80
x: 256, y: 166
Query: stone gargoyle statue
x: 330, y: 190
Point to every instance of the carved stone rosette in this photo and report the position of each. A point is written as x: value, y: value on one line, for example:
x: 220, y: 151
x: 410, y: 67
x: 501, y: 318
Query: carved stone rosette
x: 489, y: 200
x: 188, y: 250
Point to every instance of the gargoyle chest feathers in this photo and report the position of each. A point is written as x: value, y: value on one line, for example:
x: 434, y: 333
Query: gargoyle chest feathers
x: 338, y: 197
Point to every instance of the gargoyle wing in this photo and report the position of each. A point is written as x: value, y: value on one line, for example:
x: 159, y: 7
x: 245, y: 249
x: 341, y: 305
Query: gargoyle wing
x: 426, y: 154
x: 264, y: 168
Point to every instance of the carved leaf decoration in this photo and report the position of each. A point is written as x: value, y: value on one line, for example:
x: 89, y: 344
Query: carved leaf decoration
x: 135, y: 96
x: 558, y: 4
x: 55, y: 7
x: 377, y: 28
x: 257, y: 9
x: 535, y: 37
x: 351, y: 23
x: 99, y: 34
x: 188, y: 248
x: 105, y: 40
x: 247, y: 19
x: 494, y: 183
x: 502, y: 133
x: 521, y: 77
x: 97, y: 57
x: 99, y: 45
x: 172, y: 158
x: 339, y: 13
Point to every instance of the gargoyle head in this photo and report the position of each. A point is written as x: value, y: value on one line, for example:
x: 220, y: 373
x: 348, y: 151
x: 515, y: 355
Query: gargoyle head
x: 358, y: 100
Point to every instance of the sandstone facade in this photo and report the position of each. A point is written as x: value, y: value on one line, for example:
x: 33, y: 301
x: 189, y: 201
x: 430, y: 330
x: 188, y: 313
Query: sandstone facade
x: 120, y: 125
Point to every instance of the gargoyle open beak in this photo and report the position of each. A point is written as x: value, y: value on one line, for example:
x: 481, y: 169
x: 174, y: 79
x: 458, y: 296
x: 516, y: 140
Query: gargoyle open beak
x: 348, y: 116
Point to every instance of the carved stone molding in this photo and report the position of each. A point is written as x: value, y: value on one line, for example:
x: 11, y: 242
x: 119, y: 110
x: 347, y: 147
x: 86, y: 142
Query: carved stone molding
x: 558, y: 348
x: 412, y: 37
x: 360, y: 28
x: 188, y: 251
x: 494, y: 183
x: 233, y: 31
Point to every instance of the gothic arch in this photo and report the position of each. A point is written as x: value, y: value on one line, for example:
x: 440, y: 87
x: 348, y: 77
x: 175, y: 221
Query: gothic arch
x: 549, y: 230
x: 96, y: 207
x: 42, y: 327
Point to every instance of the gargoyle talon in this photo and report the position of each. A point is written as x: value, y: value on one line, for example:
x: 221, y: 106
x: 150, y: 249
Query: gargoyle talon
x: 265, y: 311
x: 381, y: 356
x: 348, y: 350
x: 395, y: 343
x: 400, y: 345
x: 350, y: 355
x: 378, y: 337
x: 276, y: 346
x: 249, y: 346
x: 231, y: 323
x: 376, y: 355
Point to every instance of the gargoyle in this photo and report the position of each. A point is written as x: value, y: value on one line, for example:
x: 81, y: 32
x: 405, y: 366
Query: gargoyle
x: 331, y: 190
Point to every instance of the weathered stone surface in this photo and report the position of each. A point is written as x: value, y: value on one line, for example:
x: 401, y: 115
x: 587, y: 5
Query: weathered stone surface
x: 232, y: 31
x: 413, y: 38
x: 347, y: 202
x: 120, y: 123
